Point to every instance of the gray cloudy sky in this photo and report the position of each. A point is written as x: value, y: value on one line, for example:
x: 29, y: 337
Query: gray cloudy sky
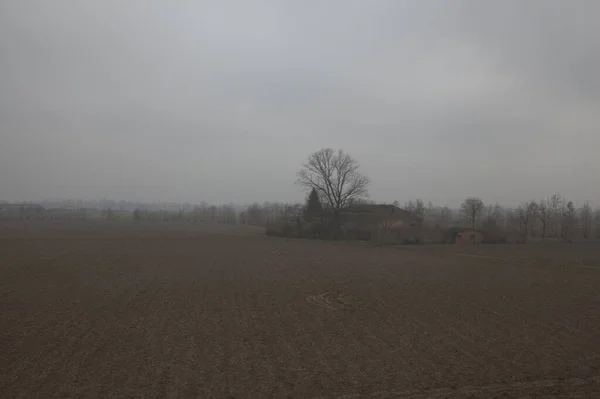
x: 222, y: 100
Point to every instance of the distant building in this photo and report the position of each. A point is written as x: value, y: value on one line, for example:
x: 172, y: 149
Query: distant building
x: 384, y: 223
x: 462, y: 235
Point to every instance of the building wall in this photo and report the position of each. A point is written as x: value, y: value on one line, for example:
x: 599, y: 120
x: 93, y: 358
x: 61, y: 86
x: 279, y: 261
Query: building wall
x: 465, y: 237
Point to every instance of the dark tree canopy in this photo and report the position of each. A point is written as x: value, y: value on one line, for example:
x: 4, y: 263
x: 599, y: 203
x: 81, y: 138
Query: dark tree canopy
x: 335, y: 177
x: 313, y: 206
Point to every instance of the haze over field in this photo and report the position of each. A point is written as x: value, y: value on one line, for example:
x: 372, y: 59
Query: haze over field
x: 222, y: 101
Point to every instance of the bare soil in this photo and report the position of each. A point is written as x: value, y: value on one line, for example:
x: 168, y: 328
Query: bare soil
x: 139, y: 310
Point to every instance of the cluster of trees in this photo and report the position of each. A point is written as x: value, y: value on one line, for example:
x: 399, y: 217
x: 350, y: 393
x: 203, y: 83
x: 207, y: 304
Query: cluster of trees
x: 163, y: 215
x: 117, y: 205
x: 225, y: 214
x: 554, y: 216
x: 260, y: 214
x: 333, y: 181
x: 120, y: 206
x: 333, y: 178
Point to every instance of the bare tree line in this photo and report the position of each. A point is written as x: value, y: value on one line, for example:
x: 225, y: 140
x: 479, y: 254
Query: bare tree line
x: 334, y: 179
x: 204, y: 213
x: 260, y: 214
x: 552, y: 217
x: 335, y: 176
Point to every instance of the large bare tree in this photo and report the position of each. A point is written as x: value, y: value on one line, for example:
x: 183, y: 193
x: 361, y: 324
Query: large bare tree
x: 336, y: 177
x: 471, y: 210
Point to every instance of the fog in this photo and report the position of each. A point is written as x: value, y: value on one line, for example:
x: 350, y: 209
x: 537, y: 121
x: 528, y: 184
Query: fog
x: 221, y: 101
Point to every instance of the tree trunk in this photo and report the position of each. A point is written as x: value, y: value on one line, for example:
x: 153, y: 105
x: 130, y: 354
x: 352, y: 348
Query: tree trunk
x: 543, y: 231
x: 335, y: 225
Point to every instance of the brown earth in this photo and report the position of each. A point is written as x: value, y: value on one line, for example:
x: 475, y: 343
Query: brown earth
x: 117, y: 310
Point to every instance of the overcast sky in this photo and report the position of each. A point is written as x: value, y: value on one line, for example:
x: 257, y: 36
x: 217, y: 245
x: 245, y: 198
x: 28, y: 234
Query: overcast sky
x: 223, y: 100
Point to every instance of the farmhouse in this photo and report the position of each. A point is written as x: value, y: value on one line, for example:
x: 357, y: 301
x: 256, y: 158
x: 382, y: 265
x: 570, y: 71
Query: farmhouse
x: 384, y: 223
x: 377, y: 222
x: 462, y: 235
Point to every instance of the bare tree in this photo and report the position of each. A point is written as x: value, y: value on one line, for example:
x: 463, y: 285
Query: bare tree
x: 446, y: 215
x: 512, y: 219
x: 357, y: 201
x: 586, y: 217
x: 417, y: 208
x: 488, y: 211
x: 544, y: 214
x: 493, y: 219
x: 255, y: 215
x: 494, y: 212
x: 527, y: 212
x: 597, y: 222
x: 420, y: 209
x: 569, y: 219
x: 292, y: 210
x: 471, y: 210
x: 555, y: 210
x: 498, y: 214
x: 430, y: 211
x: 228, y: 214
x: 335, y: 176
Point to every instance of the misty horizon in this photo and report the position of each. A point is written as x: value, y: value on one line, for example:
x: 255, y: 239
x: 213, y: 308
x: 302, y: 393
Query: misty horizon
x: 223, y: 101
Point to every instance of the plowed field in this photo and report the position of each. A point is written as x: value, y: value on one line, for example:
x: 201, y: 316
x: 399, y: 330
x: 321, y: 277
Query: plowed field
x: 101, y: 310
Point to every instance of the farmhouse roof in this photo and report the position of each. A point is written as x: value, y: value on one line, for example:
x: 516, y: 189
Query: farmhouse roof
x: 460, y: 230
x: 390, y: 212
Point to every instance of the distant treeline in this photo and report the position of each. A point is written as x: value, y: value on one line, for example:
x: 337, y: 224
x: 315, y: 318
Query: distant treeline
x: 554, y: 216
x: 127, y: 206
x: 225, y: 214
